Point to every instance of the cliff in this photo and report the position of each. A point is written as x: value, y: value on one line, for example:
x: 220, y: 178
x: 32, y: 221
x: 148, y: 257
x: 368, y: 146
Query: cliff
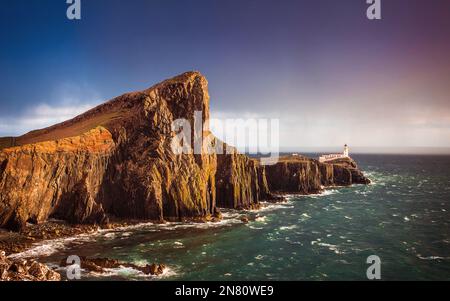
x: 241, y: 182
x: 301, y: 175
x: 116, y: 161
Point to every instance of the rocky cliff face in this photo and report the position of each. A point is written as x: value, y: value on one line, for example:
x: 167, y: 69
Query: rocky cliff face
x: 61, y: 177
x: 241, y: 182
x: 116, y: 160
x: 301, y: 175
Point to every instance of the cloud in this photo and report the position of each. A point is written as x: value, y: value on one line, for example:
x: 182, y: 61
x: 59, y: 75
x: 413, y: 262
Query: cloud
x: 40, y: 116
x: 65, y: 101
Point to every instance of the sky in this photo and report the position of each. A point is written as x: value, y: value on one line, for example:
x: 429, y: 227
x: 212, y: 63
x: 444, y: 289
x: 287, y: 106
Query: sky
x: 330, y: 75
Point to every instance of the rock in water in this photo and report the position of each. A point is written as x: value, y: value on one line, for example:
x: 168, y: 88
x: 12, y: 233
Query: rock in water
x: 19, y: 270
x: 100, y: 265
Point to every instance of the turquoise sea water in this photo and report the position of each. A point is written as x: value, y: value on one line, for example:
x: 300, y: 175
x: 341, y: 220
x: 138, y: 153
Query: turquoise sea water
x: 403, y: 217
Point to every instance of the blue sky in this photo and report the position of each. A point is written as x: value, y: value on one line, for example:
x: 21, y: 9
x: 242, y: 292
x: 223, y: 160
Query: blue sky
x: 330, y: 75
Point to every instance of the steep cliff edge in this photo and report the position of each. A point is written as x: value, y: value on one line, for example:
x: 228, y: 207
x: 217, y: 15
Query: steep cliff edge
x: 302, y: 175
x: 116, y: 160
x: 241, y: 182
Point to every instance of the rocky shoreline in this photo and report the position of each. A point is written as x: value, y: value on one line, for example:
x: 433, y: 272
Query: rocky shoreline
x: 13, y: 243
x: 25, y: 270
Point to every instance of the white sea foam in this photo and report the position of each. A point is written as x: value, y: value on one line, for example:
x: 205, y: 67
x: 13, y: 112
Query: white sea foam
x: 128, y: 272
x: 49, y: 247
x: 331, y: 247
x: 255, y: 228
x: 179, y: 244
x: 268, y: 207
x: 287, y: 228
x: 261, y: 219
x: 432, y: 257
x: 326, y: 192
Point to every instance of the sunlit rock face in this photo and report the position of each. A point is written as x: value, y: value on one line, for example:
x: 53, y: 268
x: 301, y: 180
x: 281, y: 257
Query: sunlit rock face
x: 114, y: 160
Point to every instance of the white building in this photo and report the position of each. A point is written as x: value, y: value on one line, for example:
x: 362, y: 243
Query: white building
x: 330, y: 157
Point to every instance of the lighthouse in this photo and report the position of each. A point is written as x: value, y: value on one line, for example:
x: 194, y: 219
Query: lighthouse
x: 331, y: 157
x: 346, y: 150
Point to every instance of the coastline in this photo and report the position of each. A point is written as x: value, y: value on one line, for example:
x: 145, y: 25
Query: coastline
x: 33, y: 241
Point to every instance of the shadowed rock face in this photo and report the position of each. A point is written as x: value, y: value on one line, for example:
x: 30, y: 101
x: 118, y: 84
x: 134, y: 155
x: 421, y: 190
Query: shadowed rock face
x: 241, y: 182
x: 301, y: 175
x: 116, y: 160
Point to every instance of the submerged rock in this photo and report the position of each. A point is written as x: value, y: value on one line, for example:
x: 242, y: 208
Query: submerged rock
x: 245, y: 219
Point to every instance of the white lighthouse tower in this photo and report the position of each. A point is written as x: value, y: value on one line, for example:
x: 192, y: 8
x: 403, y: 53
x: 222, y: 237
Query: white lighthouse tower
x: 346, y: 151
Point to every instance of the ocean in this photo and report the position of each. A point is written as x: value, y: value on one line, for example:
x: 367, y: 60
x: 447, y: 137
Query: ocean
x: 403, y: 217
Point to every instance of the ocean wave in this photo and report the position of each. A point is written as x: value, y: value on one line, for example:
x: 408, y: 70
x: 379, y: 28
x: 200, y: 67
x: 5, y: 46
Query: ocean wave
x: 49, y: 247
x: 255, y: 228
x: 330, y: 247
x: 130, y: 273
x: 261, y: 219
x: 230, y: 217
x: 326, y: 192
x: 284, y: 228
x: 267, y: 207
x: 432, y: 257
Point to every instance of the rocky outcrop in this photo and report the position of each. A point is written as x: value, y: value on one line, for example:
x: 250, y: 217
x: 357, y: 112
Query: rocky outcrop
x: 24, y: 270
x: 349, y: 171
x: 116, y: 160
x: 301, y: 175
x: 241, y: 182
x: 100, y: 265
